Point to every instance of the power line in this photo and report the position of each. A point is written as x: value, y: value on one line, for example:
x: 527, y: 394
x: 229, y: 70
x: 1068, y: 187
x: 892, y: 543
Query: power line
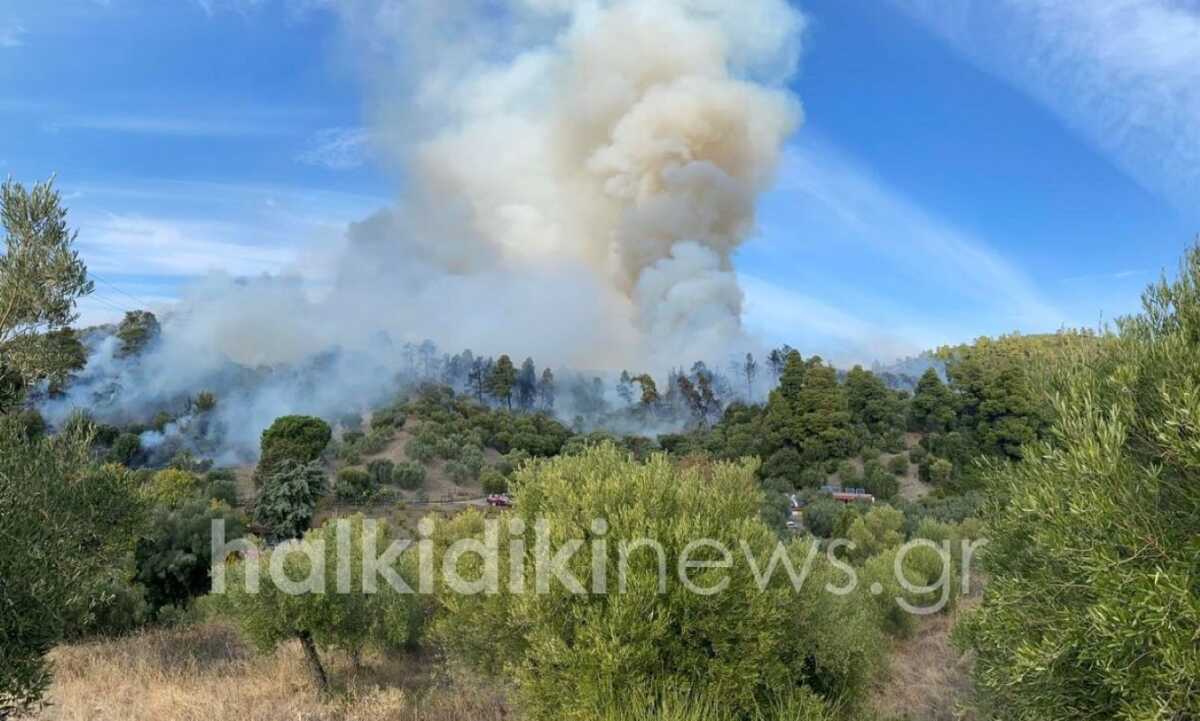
x: 132, y: 297
x: 107, y: 303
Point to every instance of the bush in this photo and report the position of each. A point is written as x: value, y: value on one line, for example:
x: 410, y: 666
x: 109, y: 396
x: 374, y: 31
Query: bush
x: 409, y: 476
x: 126, y: 449
x: 757, y: 647
x: 174, y: 558
x: 827, y: 518
x: 391, y: 418
x: 170, y: 487
x: 459, y: 472
x: 917, y: 455
x: 381, y: 471
x: 420, y: 451
x: 880, y: 482
x: 493, y: 481
x: 898, y: 465
x: 354, y: 485
x: 221, y: 485
x: 848, y: 474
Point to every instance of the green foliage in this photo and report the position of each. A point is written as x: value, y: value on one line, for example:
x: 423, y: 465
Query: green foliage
x: 64, y: 524
x: 354, y: 485
x: 827, y: 518
x: 382, y: 471
x: 848, y: 474
x: 171, y: 487
x: 41, y: 278
x: 459, y: 472
x: 125, y: 449
x: 221, y: 485
x: 898, y: 464
x: 174, y: 556
x: 1091, y: 609
x: 502, y: 379
x: 933, y: 407
x: 493, y: 481
x: 571, y: 654
x: 288, y: 499
x: 872, y: 404
x: 301, y: 439
x: 420, y: 451
x: 409, y: 476
x: 389, y: 418
x: 879, y: 482
x: 138, y: 329
x: 348, y: 618
x: 880, y: 528
x: 809, y: 412
x: 784, y: 463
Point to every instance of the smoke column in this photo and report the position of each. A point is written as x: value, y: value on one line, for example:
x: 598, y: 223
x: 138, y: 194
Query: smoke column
x: 575, y: 178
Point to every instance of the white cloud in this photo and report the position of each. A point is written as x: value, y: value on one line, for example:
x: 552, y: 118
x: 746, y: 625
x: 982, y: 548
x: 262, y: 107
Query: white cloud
x: 778, y: 314
x: 1123, y: 73
x: 937, y: 257
x: 229, y: 126
x: 12, y: 35
x: 337, y: 148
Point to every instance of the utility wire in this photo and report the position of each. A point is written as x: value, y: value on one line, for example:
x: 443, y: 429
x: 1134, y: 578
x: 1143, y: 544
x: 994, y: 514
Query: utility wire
x: 132, y: 297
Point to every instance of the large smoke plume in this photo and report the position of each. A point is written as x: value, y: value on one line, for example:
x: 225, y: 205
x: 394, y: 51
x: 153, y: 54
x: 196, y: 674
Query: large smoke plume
x: 576, y: 178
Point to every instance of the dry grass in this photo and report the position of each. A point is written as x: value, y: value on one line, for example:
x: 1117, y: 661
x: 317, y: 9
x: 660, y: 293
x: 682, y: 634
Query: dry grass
x: 206, y: 673
x: 928, y: 679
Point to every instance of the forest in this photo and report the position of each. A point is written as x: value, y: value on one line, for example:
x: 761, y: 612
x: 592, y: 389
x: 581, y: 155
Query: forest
x: 1071, y: 456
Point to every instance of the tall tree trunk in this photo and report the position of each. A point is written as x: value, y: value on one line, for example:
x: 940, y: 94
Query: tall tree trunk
x: 314, y: 662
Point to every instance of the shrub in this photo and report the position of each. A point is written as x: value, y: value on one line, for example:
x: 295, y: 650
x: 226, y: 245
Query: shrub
x: 493, y: 481
x: 381, y: 471
x: 409, y: 476
x: 847, y: 474
x: 459, y: 472
x: 880, y: 482
x: 354, y: 485
x: 125, y: 449
x: 472, y: 458
x: 288, y: 499
x: 827, y: 518
x: 917, y: 455
x: 898, y: 465
x: 391, y: 418
x: 174, y: 558
x: 420, y: 451
x: 221, y: 485
x: 511, y: 461
x: 170, y: 487
x: 756, y: 646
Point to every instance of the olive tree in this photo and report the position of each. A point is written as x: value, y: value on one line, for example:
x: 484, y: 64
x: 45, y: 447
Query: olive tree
x: 573, y: 653
x: 335, y: 609
x: 1092, y: 607
x: 64, y: 524
x: 41, y: 278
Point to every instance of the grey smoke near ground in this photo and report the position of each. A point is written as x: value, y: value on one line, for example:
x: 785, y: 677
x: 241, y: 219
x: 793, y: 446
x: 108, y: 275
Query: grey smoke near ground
x: 576, y: 178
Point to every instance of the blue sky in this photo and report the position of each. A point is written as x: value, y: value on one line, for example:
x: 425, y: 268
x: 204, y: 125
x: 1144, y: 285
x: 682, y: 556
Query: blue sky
x: 964, y: 168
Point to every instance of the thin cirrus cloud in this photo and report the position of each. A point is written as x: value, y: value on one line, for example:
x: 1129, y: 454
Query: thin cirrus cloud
x: 194, y: 127
x: 849, y: 205
x: 1125, y: 74
x: 12, y: 35
x: 337, y: 148
x: 847, y: 263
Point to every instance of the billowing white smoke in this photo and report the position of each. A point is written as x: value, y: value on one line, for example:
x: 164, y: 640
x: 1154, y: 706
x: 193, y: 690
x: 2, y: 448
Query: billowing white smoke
x: 623, y: 141
x: 577, y: 177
